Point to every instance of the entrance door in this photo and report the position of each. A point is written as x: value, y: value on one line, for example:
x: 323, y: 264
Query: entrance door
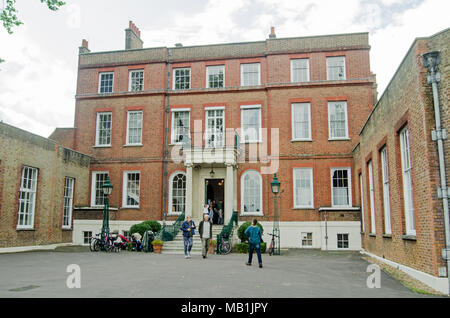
x: 215, y: 191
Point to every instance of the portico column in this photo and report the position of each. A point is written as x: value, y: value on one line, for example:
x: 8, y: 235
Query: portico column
x: 229, y: 193
x: 188, y: 203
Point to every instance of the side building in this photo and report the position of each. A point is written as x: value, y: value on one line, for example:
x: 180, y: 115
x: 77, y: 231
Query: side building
x: 398, y: 171
x: 177, y: 127
x: 40, y: 182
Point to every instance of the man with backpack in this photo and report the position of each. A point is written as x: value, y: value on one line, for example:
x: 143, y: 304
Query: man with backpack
x: 188, y: 228
x: 254, y: 234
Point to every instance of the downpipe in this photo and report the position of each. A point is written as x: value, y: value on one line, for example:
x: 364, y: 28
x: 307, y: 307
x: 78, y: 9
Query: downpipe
x: 431, y: 60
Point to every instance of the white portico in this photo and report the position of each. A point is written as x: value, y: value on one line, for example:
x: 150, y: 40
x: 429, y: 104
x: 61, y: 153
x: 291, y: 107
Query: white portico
x: 202, y: 184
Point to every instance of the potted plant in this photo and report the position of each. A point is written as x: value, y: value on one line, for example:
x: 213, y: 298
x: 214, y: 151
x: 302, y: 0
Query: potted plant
x: 212, y: 246
x: 157, y: 246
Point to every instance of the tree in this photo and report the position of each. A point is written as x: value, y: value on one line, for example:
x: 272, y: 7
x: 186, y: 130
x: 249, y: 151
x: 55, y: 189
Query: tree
x: 9, y: 17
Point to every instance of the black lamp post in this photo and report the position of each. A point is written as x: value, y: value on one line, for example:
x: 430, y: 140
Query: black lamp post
x: 107, y: 189
x: 275, y: 185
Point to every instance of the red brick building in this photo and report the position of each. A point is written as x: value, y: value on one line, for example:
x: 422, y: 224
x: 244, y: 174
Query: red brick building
x: 291, y: 106
x: 397, y: 170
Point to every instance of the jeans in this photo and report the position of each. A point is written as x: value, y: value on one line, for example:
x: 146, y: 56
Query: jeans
x: 187, y: 244
x: 205, y: 246
x: 258, y: 252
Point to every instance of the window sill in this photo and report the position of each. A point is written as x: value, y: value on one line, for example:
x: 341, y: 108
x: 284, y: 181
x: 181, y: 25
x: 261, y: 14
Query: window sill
x: 304, y: 208
x: 300, y: 140
x: 130, y: 208
x: 133, y: 145
x: 100, y: 146
x: 173, y: 214
x: 339, y: 139
x: 251, y: 142
x: 340, y: 208
x: 387, y: 236
x: 409, y: 238
x: 251, y: 214
x: 25, y: 229
x: 67, y: 229
x: 372, y: 235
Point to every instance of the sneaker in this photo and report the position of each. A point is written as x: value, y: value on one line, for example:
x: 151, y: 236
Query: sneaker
x: 260, y: 265
x: 204, y: 256
x: 249, y: 264
x: 185, y: 256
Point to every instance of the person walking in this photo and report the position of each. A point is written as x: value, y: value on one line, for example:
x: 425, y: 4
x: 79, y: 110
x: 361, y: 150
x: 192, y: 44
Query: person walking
x: 211, y: 212
x: 188, y: 228
x: 254, y: 234
x: 205, y: 231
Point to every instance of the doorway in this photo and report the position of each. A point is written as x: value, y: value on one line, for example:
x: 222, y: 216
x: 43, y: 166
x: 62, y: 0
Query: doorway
x: 214, y: 192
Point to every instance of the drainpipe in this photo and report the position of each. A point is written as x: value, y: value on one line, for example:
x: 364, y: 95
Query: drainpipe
x: 431, y: 60
x: 166, y: 134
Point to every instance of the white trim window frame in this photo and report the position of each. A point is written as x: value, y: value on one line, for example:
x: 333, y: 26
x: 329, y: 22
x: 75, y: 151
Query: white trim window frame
x: 408, y: 197
x: 181, y: 78
x: 69, y: 184
x: 307, y: 239
x: 300, y: 70
x: 178, y: 206
x: 215, y: 76
x: 373, y: 225
x: 251, y: 131
x: 131, y: 189
x: 105, y: 82
x: 386, y: 194
x: 337, y: 120
x: 336, y: 70
x: 180, y: 126
x: 97, y: 180
x: 215, y: 127
x: 134, y: 128
x: 342, y: 183
x: 303, y: 187
x: 301, y: 122
x: 250, y: 74
x: 361, y: 191
x: 251, y: 193
x: 343, y: 239
x: 136, y: 81
x: 27, y: 198
x: 103, y: 129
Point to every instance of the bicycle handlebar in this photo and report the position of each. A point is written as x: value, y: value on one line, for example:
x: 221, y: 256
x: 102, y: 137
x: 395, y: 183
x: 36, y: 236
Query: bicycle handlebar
x: 273, y: 235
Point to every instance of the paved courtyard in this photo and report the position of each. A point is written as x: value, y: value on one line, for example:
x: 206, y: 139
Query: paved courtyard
x: 297, y: 273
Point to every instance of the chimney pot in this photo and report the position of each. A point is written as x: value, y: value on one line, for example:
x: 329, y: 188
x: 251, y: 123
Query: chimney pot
x: 272, y: 34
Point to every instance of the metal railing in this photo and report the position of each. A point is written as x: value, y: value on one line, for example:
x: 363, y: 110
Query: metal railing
x: 169, y: 231
x: 227, y: 231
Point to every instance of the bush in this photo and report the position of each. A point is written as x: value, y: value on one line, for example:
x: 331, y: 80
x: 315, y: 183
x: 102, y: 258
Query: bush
x: 243, y: 227
x: 212, y: 242
x: 142, y: 227
x: 155, y: 226
x: 243, y: 247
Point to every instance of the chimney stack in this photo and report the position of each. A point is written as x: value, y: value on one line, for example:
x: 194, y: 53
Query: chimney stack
x: 272, y: 34
x: 133, y: 37
x: 84, y: 48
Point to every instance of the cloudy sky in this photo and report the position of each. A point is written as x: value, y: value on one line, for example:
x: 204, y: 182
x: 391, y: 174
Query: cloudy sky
x: 38, y: 79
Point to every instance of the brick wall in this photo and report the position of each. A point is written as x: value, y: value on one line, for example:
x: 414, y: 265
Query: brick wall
x: 19, y: 148
x: 407, y: 100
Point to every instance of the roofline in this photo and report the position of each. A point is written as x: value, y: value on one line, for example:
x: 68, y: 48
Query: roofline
x: 231, y: 43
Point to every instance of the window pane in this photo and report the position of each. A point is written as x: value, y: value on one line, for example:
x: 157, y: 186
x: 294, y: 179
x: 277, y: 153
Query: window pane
x: 132, y: 188
x: 338, y: 119
x: 99, y: 179
x: 135, y: 127
x: 251, y: 200
x: 336, y: 68
x: 182, y: 77
x: 215, y: 76
x: 68, y: 200
x: 104, y: 128
x: 136, y: 81
x: 300, y: 70
x: 250, y: 74
x: 27, y: 197
x: 301, y: 122
x: 341, y: 191
x: 180, y: 126
x: 251, y: 124
x: 178, y: 193
x: 106, y: 82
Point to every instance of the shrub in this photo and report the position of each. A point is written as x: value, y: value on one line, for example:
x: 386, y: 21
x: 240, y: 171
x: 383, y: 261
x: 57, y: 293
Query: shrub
x: 243, y: 247
x: 243, y: 227
x: 155, y: 226
x: 212, y: 242
x: 142, y: 227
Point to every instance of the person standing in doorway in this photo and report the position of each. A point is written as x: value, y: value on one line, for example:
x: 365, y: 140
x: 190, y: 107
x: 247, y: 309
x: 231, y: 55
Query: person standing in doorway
x: 211, y: 211
x: 254, y: 234
x: 188, y: 228
x: 205, y: 231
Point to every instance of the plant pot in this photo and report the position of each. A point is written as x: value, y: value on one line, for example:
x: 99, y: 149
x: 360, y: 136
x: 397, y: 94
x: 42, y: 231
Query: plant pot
x: 157, y: 249
x: 212, y: 249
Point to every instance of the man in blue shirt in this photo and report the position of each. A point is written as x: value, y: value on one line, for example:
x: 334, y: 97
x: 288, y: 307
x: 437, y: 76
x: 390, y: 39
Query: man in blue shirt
x: 188, y: 228
x: 254, y: 234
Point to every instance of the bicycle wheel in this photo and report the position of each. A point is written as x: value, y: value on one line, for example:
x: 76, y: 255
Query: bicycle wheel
x: 271, y: 249
x: 225, y: 248
x: 94, y: 245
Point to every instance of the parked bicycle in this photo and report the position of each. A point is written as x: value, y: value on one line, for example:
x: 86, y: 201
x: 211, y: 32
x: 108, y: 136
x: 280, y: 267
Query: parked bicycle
x: 272, y: 244
x: 225, y: 244
x: 107, y: 245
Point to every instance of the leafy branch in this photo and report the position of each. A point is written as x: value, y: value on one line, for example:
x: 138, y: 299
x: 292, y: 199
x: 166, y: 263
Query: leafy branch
x: 9, y: 17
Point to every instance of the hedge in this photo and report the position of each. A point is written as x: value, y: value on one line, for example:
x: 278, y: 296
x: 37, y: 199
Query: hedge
x: 243, y: 227
x: 142, y: 227
x: 243, y: 247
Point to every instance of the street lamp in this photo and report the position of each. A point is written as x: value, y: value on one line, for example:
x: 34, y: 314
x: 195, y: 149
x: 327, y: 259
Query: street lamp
x: 275, y: 185
x: 107, y: 189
